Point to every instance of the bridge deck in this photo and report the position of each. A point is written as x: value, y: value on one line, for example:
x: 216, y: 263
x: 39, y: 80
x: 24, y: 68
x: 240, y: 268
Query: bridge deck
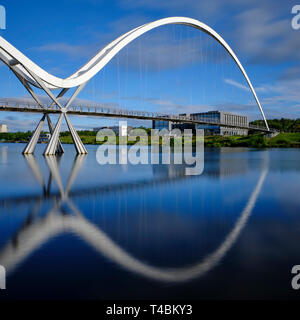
x: 121, y: 113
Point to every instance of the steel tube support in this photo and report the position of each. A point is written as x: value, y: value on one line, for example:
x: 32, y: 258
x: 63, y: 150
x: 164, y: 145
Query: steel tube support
x: 52, y: 145
x: 29, y: 149
x: 60, y: 148
x: 79, y: 146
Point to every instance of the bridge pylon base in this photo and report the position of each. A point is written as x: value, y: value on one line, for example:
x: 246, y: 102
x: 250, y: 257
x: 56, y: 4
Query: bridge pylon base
x: 79, y: 146
x: 54, y: 144
x: 29, y: 149
x: 60, y: 148
x: 31, y: 145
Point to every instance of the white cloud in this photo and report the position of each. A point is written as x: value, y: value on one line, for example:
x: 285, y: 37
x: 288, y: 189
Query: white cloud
x: 236, y: 84
x: 246, y: 87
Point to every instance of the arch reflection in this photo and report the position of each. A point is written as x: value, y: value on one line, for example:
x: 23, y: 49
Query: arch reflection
x: 65, y: 216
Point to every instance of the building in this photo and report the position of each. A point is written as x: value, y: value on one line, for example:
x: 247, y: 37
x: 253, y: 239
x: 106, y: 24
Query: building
x: 3, y: 128
x: 44, y: 138
x: 160, y: 125
x: 209, y: 129
x: 121, y: 130
x: 225, y: 118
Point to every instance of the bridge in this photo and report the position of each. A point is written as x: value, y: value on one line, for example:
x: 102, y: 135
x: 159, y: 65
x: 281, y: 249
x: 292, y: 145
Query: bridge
x: 18, y: 105
x: 31, y: 75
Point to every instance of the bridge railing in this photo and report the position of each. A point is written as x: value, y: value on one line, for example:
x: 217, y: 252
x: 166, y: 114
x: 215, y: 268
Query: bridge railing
x: 25, y: 104
x: 19, y: 104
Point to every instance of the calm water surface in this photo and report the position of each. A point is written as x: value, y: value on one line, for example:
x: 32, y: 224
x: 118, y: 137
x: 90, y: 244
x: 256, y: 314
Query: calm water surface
x: 70, y: 228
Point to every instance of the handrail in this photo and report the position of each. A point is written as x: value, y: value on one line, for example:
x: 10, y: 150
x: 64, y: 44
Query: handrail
x: 18, y: 103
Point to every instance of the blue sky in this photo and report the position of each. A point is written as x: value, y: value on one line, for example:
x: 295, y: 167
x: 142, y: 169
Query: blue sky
x: 173, y: 69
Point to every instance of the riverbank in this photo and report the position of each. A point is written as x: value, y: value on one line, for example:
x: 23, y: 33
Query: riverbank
x: 283, y: 140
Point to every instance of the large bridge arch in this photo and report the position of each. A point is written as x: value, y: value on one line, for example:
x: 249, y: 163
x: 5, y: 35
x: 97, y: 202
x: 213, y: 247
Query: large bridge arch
x: 28, y: 70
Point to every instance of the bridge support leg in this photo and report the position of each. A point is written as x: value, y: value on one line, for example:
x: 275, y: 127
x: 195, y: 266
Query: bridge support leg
x: 52, y: 145
x: 29, y: 149
x: 60, y: 149
x: 79, y: 146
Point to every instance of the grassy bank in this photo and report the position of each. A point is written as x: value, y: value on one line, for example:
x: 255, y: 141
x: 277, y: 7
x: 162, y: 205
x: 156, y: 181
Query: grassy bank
x: 15, y: 136
x: 283, y: 140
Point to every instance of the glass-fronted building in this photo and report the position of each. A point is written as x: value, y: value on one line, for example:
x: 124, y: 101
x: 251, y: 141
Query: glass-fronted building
x: 222, y: 118
x: 210, y: 129
x: 160, y: 125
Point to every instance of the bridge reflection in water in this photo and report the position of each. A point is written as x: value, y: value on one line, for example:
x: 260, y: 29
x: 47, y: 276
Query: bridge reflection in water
x: 64, y: 216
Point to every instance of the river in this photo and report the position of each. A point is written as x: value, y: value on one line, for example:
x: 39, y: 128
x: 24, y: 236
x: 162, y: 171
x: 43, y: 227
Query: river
x: 71, y: 228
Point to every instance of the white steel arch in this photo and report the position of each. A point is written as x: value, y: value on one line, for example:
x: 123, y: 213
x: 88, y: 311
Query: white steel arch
x: 30, y: 73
